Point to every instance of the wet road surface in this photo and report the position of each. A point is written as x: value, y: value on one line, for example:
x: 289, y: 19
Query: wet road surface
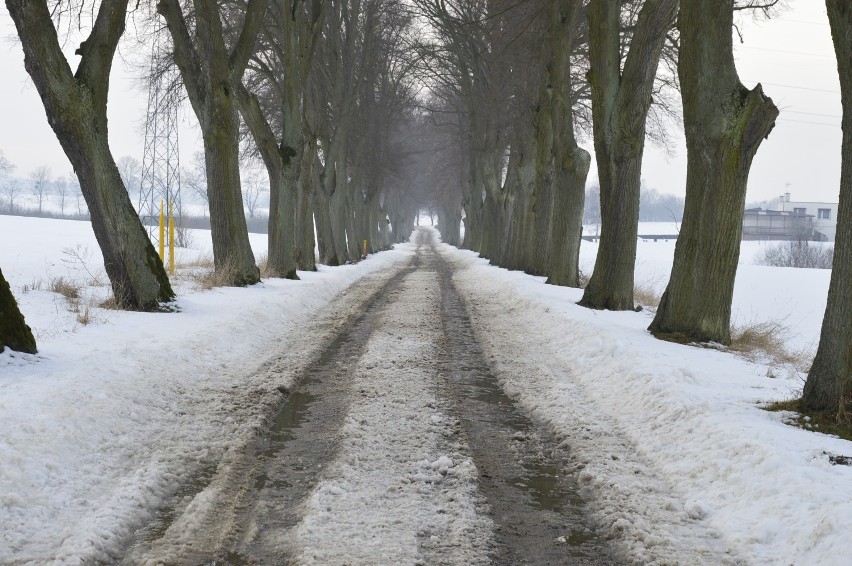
x: 396, y: 445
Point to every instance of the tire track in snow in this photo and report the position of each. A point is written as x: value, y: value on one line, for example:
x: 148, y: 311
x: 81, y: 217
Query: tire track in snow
x: 207, y: 519
x: 526, y: 477
x: 632, y: 503
x: 403, y: 487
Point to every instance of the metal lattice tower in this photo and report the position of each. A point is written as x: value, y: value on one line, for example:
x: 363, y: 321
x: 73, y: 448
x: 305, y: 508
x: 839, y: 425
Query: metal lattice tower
x: 160, y: 179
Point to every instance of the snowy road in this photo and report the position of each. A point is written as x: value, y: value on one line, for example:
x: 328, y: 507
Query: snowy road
x: 396, y: 446
x: 351, y: 416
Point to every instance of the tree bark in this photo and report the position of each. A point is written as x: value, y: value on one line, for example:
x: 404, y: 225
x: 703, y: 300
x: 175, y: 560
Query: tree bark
x: 570, y: 162
x: 724, y: 126
x: 829, y: 382
x: 211, y: 73
x: 620, y: 102
x: 322, y: 213
x: 14, y: 332
x: 306, y: 258
x: 278, y: 160
x: 76, y: 108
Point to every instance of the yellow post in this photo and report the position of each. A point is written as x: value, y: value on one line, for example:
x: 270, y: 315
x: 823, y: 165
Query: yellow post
x: 171, y: 239
x: 365, y: 248
x: 162, y: 231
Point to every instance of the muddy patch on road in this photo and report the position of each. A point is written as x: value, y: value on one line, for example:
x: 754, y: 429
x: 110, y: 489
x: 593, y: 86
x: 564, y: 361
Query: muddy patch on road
x: 523, y: 471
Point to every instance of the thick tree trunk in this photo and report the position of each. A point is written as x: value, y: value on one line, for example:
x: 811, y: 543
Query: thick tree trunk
x: 325, y: 234
x: 14, y: 332
x: 212, y: 73
x: 620, y: 102
x: 568, y: 198
x: 76, y: 110
x: 232, y: 253
x: 829, y: 383
x: 449, y: 224
x: 306, y: 258
x: 724, y: 125
x: 339, y: 209
x: 541, y: 197
x: 353, y: 237
x: 278, y: 160
x: 282, y: 216
x: 570, y: 162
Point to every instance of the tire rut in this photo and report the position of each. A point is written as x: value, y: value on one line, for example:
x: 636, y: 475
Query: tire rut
x: 494, y: 487
x: 524, y: 472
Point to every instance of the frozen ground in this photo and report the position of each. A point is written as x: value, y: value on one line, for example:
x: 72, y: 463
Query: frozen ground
x: 684, y: 467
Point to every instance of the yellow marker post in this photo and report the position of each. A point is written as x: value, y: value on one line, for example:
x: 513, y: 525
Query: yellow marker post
x: 162, y: 231
x: 171, y: 239
x: 365, y: 249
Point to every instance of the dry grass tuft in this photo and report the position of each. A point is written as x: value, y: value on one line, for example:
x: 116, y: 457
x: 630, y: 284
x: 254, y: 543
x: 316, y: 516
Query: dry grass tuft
x: 84, y: 315
x: 263, y: 265
x: 68, y: 289
x: 645, y: 293
x: 210, y: 278
x: 584, y: 279
x: 766, y: 342
x: 111, y: 304
x: 201, y: 262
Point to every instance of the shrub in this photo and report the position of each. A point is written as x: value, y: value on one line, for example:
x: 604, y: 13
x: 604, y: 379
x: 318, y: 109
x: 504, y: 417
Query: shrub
x: 797, y: 254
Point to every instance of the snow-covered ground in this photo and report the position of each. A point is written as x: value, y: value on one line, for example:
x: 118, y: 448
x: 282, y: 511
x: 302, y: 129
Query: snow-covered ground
x: 99, y: 427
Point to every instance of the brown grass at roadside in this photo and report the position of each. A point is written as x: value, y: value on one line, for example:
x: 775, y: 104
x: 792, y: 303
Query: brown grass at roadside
x: 766, y: 341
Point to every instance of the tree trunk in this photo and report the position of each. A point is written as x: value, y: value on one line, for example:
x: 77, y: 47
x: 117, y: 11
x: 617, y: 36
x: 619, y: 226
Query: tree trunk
x: 568, y: 197
x: 354, y: 210
x: 620, y: 102
x: 724, y: 126
x: 306, y: 258
x: 232, y: 253
x: 14, y: 332
x: 76, y: 108
x: 829, y: 382
x: 211, y: 74
x: 339, y: 209
x: 570, y: 162
x: 325, y: 234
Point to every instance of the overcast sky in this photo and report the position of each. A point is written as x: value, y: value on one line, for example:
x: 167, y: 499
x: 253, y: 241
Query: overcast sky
x: 791, y: 55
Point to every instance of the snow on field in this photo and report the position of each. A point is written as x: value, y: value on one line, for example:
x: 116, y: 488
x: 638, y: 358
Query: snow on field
x: 101, y: 425
x: 794, y: 298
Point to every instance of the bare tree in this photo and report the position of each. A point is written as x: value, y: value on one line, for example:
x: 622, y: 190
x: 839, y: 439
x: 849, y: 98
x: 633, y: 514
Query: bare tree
x: 212, y: 70
x: 829, y: 383
x: 130, y: 170
x: 276, y: 118
x: 76, y: 108
x: 621, y: 97
x: 194, y: 178
x: 6, y: 166
x: 60, y: 189
x: 40, y: 179
x: 10, y: 191
x: 725, y: 124
x: 253, y: 189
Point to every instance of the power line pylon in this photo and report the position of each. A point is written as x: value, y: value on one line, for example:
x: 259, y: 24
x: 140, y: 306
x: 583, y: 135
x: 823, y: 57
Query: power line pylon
x: 160, y: 179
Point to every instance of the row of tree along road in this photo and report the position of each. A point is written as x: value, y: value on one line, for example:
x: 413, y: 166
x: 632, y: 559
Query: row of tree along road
x: 364, y: 111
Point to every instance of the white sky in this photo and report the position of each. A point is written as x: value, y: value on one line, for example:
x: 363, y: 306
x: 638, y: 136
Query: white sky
x: 791, y: 55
